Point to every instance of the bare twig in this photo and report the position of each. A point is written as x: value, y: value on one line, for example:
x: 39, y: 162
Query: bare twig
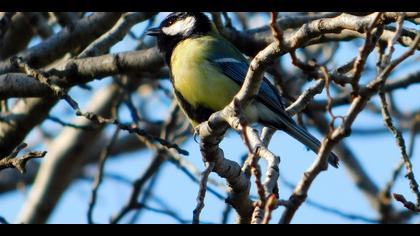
x: 226, y: 213
x: 275, y: 29
x: 386, y: 59
x: 326, y: 208
x: 386, y: 192
x: 305, y: 98
x: 299, y: 194
x: 141, y: 133
x: 255, y: 169
x: 329, y: 103
x: 258, y: 212
x: 202, y: 192
x: 170, y: 213
x: 37, y: 75
x: 137, y: 187
x: 98, y: 178
x: 257, y: 147
x: 194, y: 174
x: 19, y: 163
x: 340, y: 213
x: 269, y: 207
x: 409, y: 205
x: 148, y: 194
x: 161, y: 156
x: 386, y: 63
x: 390, y: 85
x: 364, y: 52
x: 401, y: 145
x: 117, y: 33
x: 67, y: 124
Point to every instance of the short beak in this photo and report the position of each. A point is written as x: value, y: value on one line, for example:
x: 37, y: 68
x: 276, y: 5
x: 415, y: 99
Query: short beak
x: 154, y: 31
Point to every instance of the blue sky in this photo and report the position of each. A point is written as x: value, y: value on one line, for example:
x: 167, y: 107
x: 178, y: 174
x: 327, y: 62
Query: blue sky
x: 377, y: 153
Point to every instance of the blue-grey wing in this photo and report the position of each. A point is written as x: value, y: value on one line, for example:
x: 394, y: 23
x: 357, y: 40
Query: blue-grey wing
x: 236, y: 70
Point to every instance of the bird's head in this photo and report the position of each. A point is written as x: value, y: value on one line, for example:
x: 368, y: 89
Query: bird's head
x: 178, y: 26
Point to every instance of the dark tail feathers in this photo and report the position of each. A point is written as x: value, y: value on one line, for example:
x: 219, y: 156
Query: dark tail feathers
x: 304, y: 137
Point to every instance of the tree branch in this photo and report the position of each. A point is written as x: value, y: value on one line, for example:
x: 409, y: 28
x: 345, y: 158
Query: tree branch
x: 99, y: 176
x: 19, y: 163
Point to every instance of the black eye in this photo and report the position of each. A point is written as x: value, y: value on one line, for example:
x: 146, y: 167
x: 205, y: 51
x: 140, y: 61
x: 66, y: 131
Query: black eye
x: 171, y: 21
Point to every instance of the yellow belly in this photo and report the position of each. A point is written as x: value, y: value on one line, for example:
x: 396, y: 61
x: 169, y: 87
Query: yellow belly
x: 197, y: 80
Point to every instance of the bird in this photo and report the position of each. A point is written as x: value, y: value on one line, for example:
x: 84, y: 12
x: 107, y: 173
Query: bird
x: 207, y: 70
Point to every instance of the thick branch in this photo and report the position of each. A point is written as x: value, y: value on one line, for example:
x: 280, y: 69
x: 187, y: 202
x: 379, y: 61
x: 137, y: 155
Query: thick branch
x: 86, y: 30
x: 80, y: 71
x: 21, y: 85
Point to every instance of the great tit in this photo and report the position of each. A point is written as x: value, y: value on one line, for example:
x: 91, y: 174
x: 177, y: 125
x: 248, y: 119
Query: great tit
x: 207, y: 71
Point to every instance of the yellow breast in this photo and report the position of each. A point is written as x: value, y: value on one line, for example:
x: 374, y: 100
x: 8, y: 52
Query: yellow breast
x: 196, y: 79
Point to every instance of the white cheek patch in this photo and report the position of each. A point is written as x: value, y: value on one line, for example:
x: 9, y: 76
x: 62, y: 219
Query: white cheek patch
x: 182, y: 27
